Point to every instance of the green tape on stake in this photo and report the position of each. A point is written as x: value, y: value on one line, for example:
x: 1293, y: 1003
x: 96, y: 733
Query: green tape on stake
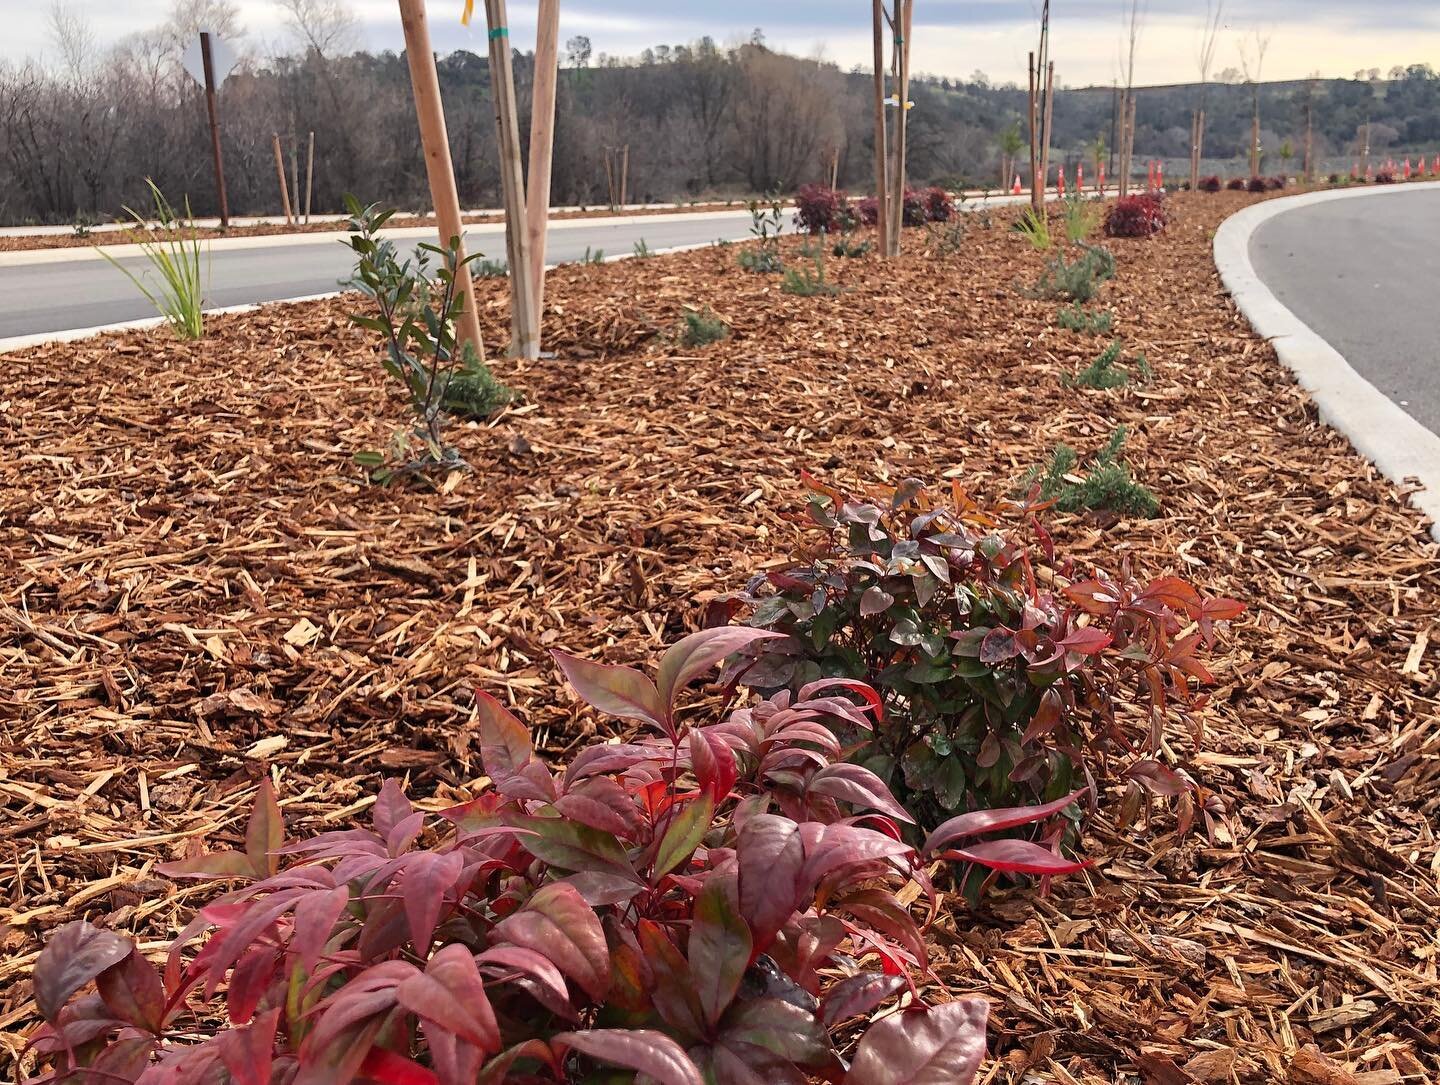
x: 500, y: 32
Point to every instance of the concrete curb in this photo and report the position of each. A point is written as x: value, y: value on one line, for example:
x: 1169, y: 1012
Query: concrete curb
x: 30, y: 257
x: 1379, y: 429
x: 20, y: 342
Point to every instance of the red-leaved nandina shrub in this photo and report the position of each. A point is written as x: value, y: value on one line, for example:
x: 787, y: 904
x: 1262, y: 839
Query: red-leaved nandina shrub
x: 819, y: 209
x: 915, y: 212
x: 1385, y: 177
x: 1257, y: 184
x: 939, y: 204
x: 1236, y: 184
x: 701, y: 904
x: 1136, y: 216
x: 1210, y: 184
x: 1279, y: 181
x: 1006, y: 677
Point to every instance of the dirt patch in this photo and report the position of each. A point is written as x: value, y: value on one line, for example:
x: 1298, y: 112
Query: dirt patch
x: 195, y: 585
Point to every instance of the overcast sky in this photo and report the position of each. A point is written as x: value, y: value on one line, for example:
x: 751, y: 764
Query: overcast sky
x: 952, y: 37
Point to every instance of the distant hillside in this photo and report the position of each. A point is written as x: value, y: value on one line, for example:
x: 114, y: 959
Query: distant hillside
x: 697, y: 120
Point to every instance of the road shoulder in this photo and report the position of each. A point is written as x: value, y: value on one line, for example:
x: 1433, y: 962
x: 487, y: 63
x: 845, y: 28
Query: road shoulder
x: 1379, y: 429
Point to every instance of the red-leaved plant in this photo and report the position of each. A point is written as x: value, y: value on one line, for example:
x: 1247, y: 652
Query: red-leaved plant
x: 1136, y: 216
x: 1210, y: 184
x: 702, y: 905
x: 1006, y: 676
x: 823, y: 210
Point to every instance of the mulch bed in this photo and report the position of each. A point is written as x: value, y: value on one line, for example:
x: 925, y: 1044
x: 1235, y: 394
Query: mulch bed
x: 196, y: 586
x: 211, y: 233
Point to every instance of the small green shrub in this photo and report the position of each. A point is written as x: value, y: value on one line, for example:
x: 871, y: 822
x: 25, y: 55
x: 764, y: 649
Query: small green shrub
x: 761, y: 261
x: 1106, y: 372
x: 1107, y: 486
x: 847, y: 248
x: 805, y: 283
x: 1075, y: 318
x: 949, y: 238
x: 489, y: 269
x: 474, y: 391
x: 1077, y: 279
x: 1034, y: 227
x: 703, y: 327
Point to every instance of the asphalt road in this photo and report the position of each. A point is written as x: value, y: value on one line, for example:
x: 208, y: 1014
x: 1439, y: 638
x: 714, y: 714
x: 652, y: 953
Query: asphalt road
x: 87, y: 292
x: 1364, y: 273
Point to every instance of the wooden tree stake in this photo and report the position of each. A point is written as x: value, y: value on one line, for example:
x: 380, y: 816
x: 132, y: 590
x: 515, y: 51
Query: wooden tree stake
x: 542, y: 142
x: 430, y: 114
x: 284, y: 190
x: 903, y: 11
x: 882, y: 210
x: 523, y: 340
x: 309, y: 176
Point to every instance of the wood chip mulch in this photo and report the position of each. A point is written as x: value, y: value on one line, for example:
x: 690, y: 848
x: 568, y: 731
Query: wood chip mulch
x: 195, y: 585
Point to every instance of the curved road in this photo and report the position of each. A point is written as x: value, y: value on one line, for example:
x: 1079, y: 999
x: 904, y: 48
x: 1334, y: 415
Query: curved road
x: 1365, y: 275
x: 62, y: 289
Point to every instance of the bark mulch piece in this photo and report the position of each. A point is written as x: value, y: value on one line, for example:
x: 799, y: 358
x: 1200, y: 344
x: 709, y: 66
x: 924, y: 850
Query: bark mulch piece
x: 196, y: 586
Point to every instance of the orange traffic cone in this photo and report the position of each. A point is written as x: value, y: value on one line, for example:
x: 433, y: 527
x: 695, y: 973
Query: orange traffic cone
x: 1079, y: 177
x: 1016, y: 189
x: 1060, y: 183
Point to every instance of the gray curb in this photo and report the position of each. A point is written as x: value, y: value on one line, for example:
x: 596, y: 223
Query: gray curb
x: 1380, y: 430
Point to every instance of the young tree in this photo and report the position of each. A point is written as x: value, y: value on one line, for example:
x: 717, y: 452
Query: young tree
x: 1252, y: 63
x: 1133, y: 23
x: 1042, y: 87
x: 1010, y: 142
x: 1209, y: 35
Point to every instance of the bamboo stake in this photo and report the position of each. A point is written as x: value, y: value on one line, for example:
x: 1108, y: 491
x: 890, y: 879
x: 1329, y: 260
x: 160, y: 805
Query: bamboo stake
x: 1049, y: 121
x: 1036, y: 196
x: 512, y: 182
x: 882, y: 210
x: 624, y: 175
x: 309, y: 176
x: 542, y: 141
x: 1130, y: 132
x: 834, y: 169
x: 280, y: 173
x: 295, y: 168
x: 430, y: 115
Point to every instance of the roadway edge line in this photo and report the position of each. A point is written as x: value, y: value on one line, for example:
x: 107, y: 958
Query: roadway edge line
x: 1378, y: 428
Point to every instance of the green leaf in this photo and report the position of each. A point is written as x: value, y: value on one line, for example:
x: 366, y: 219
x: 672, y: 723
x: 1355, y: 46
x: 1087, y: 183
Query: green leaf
x: 719, y: 945
x: 575, y: 847
x: 683, y: 835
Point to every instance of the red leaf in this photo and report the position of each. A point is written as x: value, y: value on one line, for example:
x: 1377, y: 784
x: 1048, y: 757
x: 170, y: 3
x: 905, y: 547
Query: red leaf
x: 990, y: 821
x: 388, y: 1068
x: 713, y: 763
x: 506, y: 752
x: 1223, y: 609
x: 505, y: 962
x: 719, y: 949
x: 644, y: 1050
x: 770, y: 857
x: 132, y: 991
x: 858, y: 786
x: 1158, y: 779
x: 938, y: 1045
x: 781, y: 1028
x: 617, y: 691
x: 1087, y: 640
x: 602, y: 804
x: 265, y: 832
x: 428, y: 875
x: 213, y: 864
x: 451, y: 996
x: 836, y: 846
x: 1094, y: 596
x: 998, y: 646
x: 875, y: 600
x: 1015, y: 857
x: 867, y: 692
x: 694, y: 655
x: 558, y: 924
x: 856, y: 995
x: 74, y: 955
x: 315, y: 919
x: 249, y: 1052
x: 496, y: 1070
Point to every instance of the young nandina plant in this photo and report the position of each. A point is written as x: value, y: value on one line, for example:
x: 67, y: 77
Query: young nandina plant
x: 701, y: 905
x: 1257, y: 184
x: 1210, y: 184
x: 823, y: 210
x: 1136, y: 216
x: 1236, y: 184
x: 1005, y: 676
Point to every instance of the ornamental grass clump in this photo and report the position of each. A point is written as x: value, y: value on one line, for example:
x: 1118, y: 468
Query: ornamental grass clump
x: 173, y: 252
x: 1005, y: 677
x: 707, y: 902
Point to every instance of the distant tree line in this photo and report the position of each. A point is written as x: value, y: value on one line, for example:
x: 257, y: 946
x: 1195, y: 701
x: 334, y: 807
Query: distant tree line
x: 78, y: 137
